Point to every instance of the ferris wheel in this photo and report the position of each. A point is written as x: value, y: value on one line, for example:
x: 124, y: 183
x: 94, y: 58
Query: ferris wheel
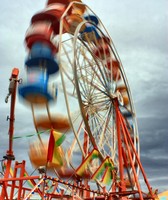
x: 72, y: 54
x: 100, y: 85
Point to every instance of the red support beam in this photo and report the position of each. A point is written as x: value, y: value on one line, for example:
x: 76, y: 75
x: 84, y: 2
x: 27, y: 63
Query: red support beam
x: 9, y: 154
x: 119, y: 140
x: 12, y: 91
x: 136, y: 155
x: 19, y: 179
x: 130, y: 156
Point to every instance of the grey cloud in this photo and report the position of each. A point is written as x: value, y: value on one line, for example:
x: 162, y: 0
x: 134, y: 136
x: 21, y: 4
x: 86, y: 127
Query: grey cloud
x: 153, y: 141
x: 154, y: 136
x: 156, y: 171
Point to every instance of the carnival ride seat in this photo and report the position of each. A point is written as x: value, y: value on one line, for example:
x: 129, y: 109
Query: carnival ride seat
x: 41, y: 55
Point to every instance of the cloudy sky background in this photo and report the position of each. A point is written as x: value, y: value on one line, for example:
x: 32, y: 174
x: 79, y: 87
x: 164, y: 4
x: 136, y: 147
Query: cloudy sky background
x: 140, y: 33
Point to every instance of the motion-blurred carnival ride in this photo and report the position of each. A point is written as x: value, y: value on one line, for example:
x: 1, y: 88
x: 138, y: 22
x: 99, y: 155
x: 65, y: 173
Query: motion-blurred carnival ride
x: 92, y: 147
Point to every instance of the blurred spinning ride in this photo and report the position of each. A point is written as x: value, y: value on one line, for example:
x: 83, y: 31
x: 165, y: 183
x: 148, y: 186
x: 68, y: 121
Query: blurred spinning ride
x: 97, y: 152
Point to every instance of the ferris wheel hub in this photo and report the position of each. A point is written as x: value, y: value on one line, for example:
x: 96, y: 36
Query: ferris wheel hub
x: 120, y: 98
x: 117, y: 95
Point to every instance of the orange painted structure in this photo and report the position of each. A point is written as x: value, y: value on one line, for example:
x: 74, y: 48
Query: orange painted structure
x: 49, y: 187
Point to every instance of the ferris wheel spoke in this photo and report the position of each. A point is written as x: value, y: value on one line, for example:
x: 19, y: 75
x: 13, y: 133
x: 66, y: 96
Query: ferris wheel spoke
x: 93, y: 65
x: 106, y: 123
x: 100, y: 122
x: 84, y: 92
x: 106, y: 141
x: 88, y: 73
x: 67, y: 56
x: 99, y: 63
x: 91, y: 89
x: 87, y: 86
x: 101, y: 73
x: 101, y: 119
x: 92, y: 84
x: 96, y: 128
x: 72, y: 147
x: 83, y: 83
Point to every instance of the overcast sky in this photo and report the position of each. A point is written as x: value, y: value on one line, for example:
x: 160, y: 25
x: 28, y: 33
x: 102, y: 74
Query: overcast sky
x: 140, y: 33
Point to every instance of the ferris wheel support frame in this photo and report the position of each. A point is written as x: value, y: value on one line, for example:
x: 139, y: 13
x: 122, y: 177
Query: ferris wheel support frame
x: 9, y: 154
x: 127, y: 139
